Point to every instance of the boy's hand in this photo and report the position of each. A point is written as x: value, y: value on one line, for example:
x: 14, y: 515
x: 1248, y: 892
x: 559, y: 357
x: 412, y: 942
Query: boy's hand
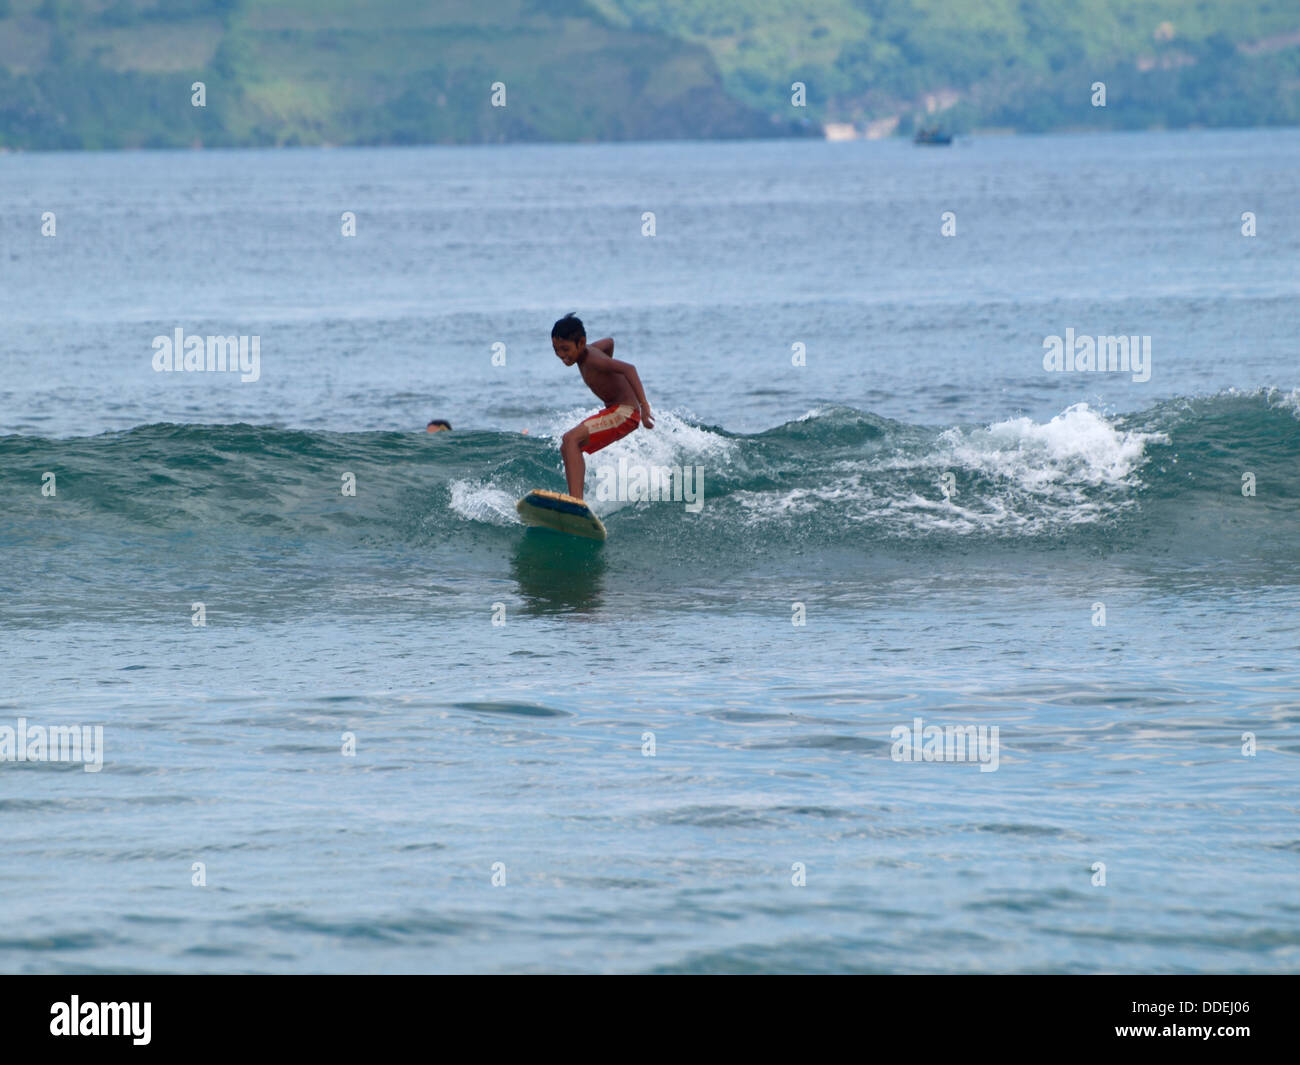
x: 647, y: 419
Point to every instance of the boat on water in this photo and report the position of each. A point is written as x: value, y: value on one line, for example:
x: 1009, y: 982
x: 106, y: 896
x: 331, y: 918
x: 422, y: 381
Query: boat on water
x: 931, y: 136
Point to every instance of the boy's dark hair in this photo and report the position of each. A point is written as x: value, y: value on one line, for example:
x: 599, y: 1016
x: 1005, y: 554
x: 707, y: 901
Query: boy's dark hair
x: 440, y: 421
x: 568, y: 328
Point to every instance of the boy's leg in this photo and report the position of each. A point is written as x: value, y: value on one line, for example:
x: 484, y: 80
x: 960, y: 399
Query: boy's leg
x: 575, y: 468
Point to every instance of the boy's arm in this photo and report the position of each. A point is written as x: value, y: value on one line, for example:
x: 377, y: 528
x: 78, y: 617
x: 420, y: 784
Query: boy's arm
x: 606, y: 345
x: 629, y: 371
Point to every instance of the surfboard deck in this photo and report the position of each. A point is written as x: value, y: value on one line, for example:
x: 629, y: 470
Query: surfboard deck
x: 555, y: 510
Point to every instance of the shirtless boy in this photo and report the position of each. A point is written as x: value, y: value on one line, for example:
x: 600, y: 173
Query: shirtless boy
x: 617, y: 386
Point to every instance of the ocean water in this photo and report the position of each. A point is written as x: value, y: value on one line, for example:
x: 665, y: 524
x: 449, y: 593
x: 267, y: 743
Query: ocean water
x: 678, y: 751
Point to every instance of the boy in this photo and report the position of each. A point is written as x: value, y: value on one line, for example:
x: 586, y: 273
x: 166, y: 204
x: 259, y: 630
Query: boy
x: 615, y: 383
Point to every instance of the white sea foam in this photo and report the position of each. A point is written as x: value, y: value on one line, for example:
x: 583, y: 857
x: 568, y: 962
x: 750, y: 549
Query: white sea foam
x: 815, y: 412
x: 1285, y: 400
x: 1079, y: 447
x: 1070, y: 470
x: 483, y: 502
x: 674, y: 441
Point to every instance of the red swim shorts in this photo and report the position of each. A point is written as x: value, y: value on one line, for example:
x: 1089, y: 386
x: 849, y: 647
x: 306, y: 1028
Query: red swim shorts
x: 608, y: 425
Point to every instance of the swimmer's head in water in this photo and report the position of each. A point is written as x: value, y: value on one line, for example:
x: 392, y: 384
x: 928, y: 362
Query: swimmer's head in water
x: 438, y: 425
x: 568, y: 338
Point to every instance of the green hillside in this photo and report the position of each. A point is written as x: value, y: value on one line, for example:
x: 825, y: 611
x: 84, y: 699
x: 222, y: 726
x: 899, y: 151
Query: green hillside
x: 1024, y: 64
x: 117, y: 73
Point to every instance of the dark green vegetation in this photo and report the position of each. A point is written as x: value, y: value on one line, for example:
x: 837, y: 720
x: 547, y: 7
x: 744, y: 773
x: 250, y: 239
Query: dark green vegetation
x: 117, y: 73
x: 1022, y: 64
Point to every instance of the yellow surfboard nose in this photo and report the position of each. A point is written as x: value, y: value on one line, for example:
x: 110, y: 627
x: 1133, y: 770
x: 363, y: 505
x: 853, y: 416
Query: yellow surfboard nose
x: 563, y: 513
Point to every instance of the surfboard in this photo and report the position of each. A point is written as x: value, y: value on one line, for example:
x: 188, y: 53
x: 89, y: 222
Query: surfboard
x: 554, y: 510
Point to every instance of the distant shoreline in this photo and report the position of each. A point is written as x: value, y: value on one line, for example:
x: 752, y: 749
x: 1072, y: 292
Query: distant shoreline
x: 970, y: 135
